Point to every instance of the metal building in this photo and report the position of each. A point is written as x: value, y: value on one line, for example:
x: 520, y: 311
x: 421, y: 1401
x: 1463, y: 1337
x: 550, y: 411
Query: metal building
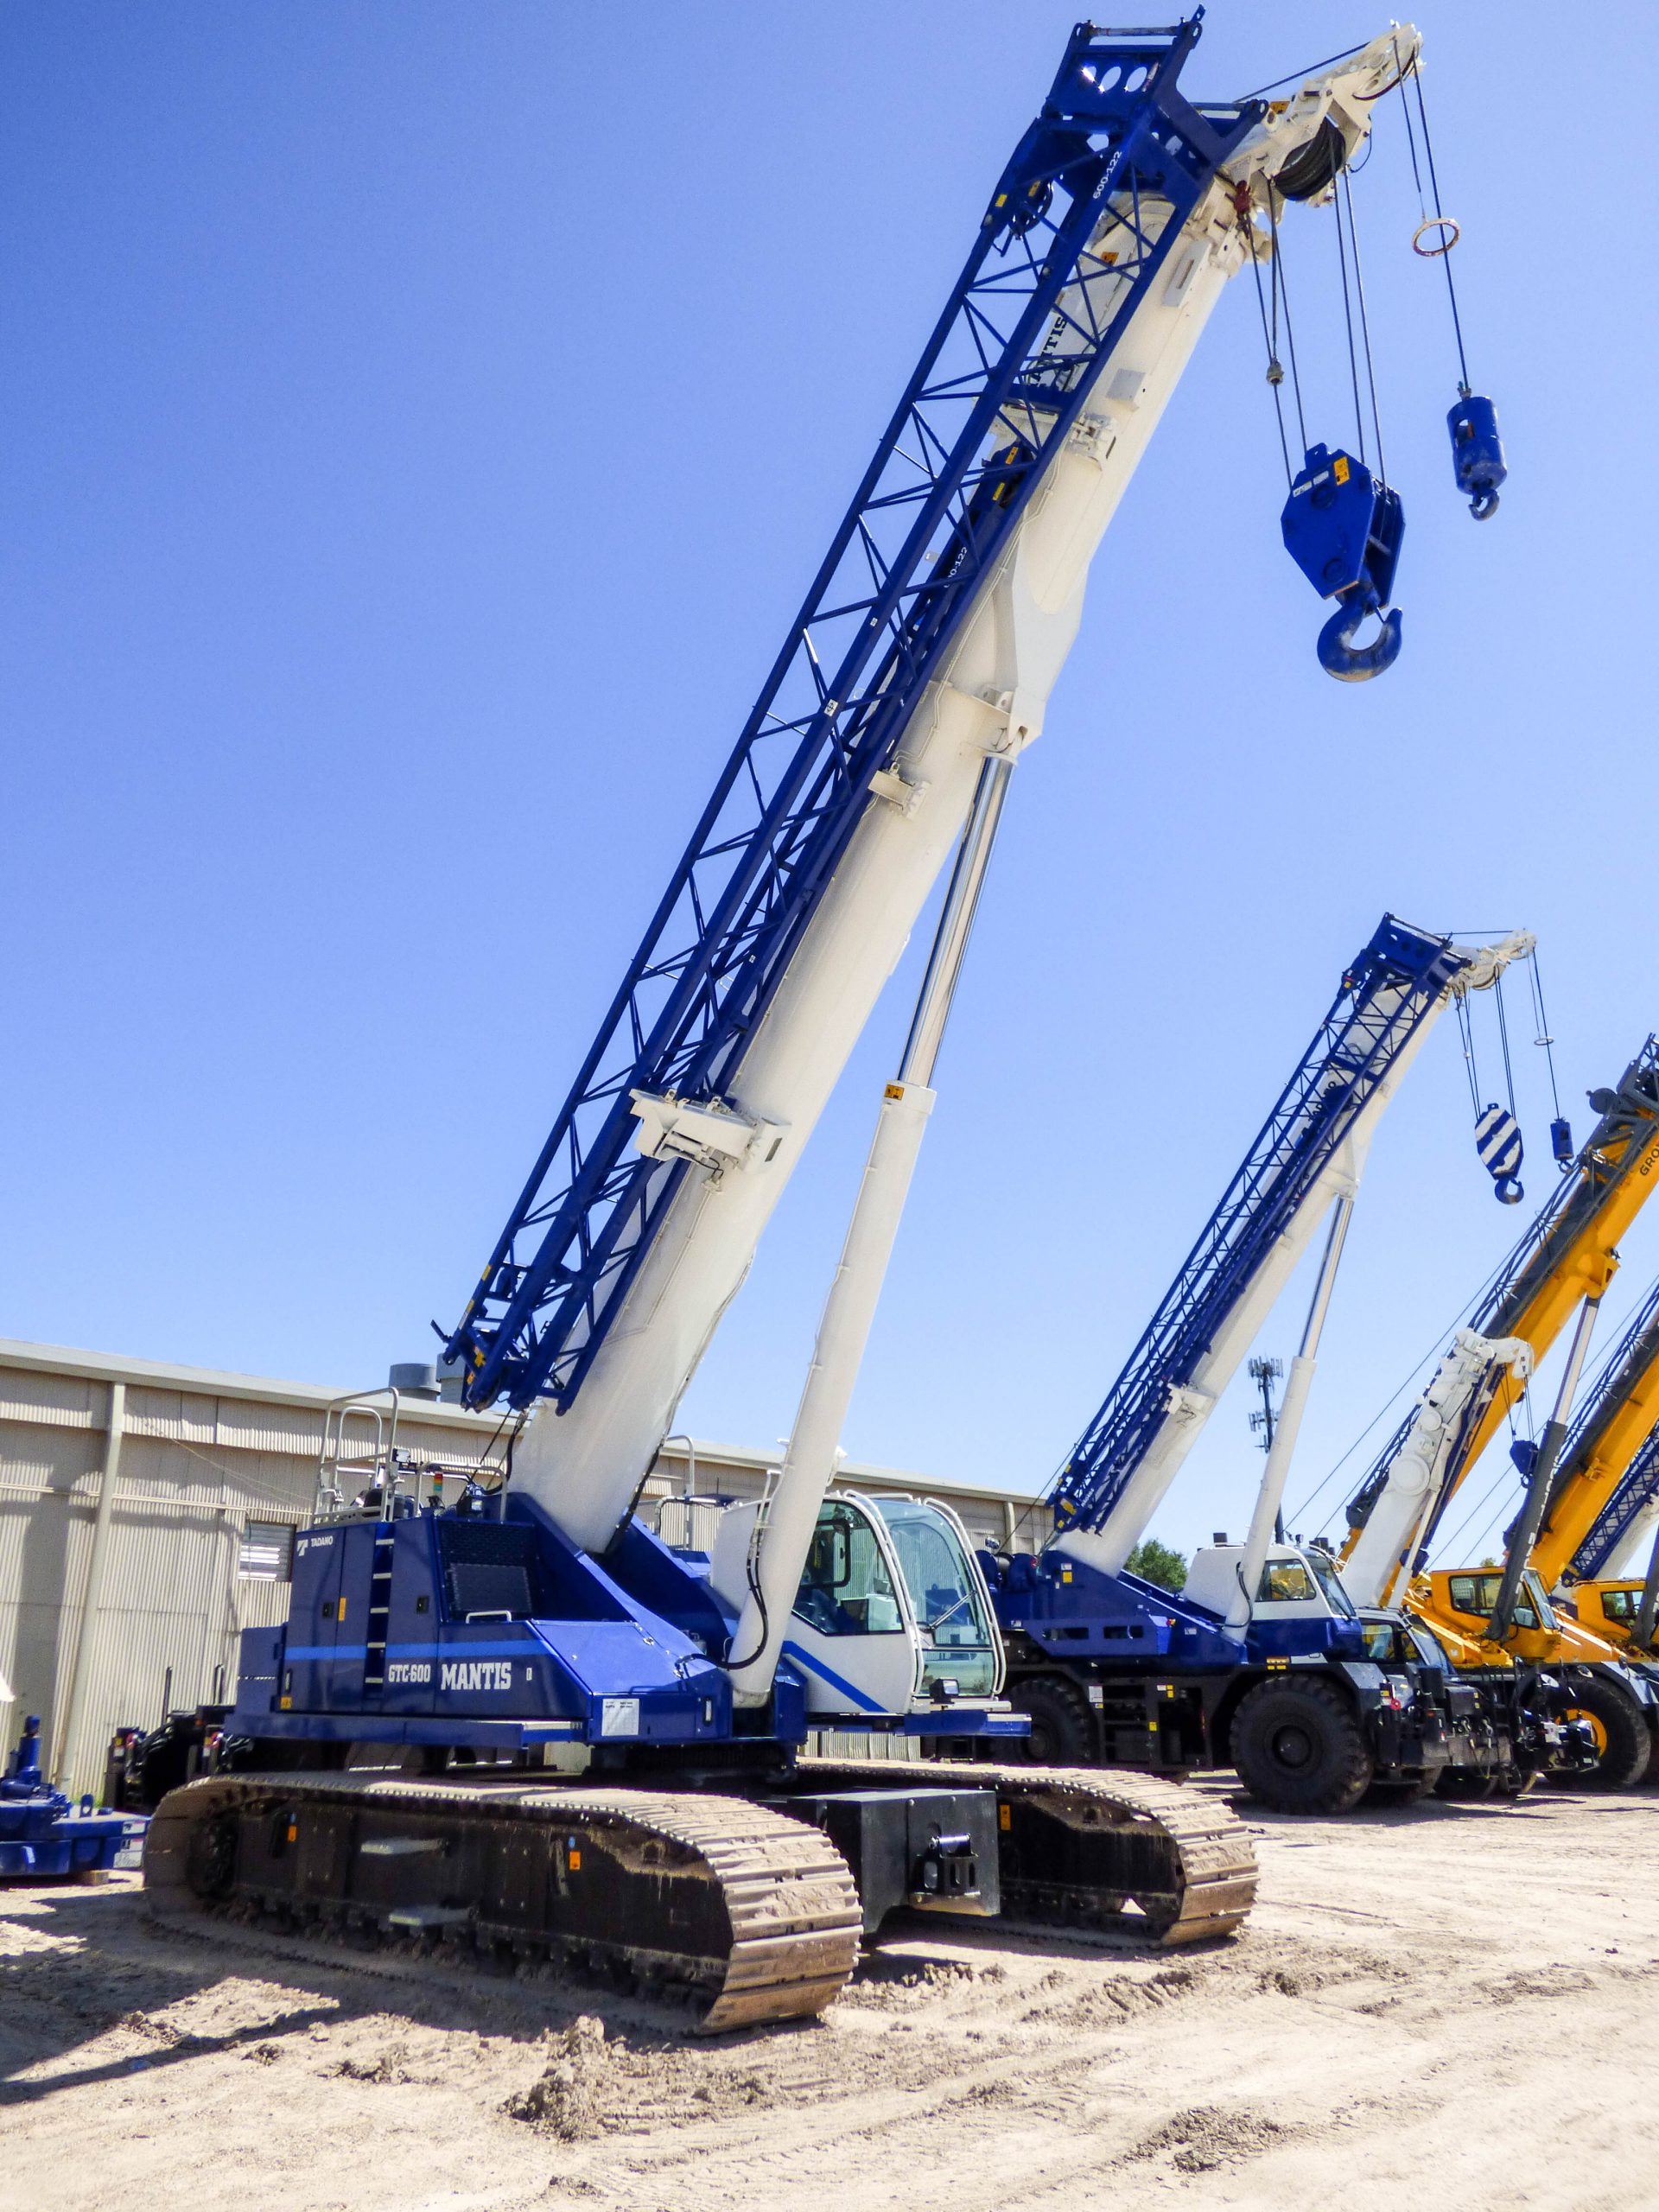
x: 147, y: 1515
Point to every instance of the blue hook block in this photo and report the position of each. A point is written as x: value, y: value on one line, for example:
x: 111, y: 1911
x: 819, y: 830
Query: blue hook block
x: 1342, y: 527
x: 1477, y: 454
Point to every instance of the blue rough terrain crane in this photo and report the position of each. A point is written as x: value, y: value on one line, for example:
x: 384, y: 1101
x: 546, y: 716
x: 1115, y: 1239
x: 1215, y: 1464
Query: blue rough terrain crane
x: 1262, y: 1662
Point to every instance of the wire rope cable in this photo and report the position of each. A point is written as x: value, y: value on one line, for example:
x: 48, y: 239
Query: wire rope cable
x: 1348, y: 324
x: 1543, y: 1038
x: 1300, y: 76
x: 1439, y: 219
x: 1280, y: 290
x: 1364, y: 328
x: 1275, y: 370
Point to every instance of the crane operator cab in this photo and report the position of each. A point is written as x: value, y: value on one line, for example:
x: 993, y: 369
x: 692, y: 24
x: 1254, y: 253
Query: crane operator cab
x: 892, y: 1614
x: 1299, y: 1603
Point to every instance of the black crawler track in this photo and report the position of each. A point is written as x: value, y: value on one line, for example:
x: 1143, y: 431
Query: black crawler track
x: 1093, y: 1847
x: 749, y: 1911
x: 751, y: 1914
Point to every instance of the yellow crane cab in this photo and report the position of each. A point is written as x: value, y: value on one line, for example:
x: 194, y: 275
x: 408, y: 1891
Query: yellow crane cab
x: 1608, y: 1609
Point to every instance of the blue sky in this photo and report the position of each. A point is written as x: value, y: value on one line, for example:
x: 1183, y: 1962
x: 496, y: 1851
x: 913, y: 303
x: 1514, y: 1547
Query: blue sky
x: 425, y: 419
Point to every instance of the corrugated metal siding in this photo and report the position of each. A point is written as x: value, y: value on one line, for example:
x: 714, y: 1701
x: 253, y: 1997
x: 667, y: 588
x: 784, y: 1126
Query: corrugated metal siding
x: 58, y: 1400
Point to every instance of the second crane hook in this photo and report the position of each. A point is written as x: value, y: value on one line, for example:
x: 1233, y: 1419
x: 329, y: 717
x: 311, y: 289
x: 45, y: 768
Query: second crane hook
x: 1342, y: 527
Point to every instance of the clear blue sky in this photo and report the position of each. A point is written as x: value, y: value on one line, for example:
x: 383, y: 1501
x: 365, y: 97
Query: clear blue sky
x: 423, y: 421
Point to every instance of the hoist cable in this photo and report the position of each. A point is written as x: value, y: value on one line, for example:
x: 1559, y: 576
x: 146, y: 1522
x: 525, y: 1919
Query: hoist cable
x: 1466, y: 1030
x: 1506, y: 1480
x: 1471, y: 1305
x: 1445, y: 257
x: 1503, y: 1037
x: 1281, y: 291
x: 1302, y: 76
x: 1544, y: 1037
x: 1348, y: 319
x: 1275, y: 383
x: 1364, y: 329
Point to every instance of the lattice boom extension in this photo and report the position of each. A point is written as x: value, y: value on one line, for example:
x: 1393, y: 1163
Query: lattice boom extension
x: 1033, y: 320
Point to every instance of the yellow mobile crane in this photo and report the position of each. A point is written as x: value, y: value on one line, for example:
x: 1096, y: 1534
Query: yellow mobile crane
x: 1560, y: 1270
x: 1604, y: 1497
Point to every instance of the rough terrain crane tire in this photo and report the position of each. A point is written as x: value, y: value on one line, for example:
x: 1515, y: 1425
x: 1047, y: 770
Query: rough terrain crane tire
x: 1093, y: 1847
x: 751, y: 1914
x: 1061, y: 1727
x: 1623, y: 1740
x: 1299, y: 1747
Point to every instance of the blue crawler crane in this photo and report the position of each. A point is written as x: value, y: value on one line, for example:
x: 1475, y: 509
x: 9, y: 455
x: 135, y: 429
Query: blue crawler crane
x: 517, y: 1722
x: 1262, y: 1662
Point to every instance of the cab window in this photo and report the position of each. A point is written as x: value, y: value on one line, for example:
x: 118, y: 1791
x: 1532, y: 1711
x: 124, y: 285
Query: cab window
x: 1330, y: 1582
x: 958, y: 1642
x: 1379, y: 1641
x: 845, y: 1587
x: 1284, y: 1582
x: 1477, y: 1594
x: 1618, y: 1605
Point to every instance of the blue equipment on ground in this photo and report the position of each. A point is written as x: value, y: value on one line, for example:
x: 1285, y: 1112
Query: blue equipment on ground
x: 1343, y: 526
x: 44, y: 1836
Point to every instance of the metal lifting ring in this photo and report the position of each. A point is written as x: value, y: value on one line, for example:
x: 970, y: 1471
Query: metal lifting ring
x: 1442, y: 223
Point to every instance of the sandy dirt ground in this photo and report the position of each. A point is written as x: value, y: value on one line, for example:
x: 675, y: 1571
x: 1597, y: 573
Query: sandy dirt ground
x: 1446, y: 2003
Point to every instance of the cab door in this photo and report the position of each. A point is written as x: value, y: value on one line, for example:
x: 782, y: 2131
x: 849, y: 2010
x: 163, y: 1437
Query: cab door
x: 851, y: 1634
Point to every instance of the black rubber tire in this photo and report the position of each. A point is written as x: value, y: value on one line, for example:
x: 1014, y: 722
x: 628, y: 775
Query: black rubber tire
x: 1299, y: 1747
x: 1623, y: 1740
x: 1061, y: 1727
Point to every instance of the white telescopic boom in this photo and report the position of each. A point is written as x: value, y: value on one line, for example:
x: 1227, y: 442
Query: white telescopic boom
x: 1394, y: 1530
x: 584, y: 1466
x: 1292, y: 1407
x: 849, y: 1309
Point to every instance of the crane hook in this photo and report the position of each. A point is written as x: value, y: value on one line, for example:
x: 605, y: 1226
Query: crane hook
x: 1341, y: 657
x: 1477, y: 459
x: 1498, y: 1139
x: 1342, y: 526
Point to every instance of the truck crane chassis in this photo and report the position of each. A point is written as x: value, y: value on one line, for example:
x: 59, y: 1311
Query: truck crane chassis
x: 747, y: 1908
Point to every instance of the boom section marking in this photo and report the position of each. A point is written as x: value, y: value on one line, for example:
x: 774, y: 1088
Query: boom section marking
x: 1033, y: 320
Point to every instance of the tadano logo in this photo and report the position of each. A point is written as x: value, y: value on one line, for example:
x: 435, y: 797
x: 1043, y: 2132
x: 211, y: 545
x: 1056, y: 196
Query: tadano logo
x: 476, y: 1674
